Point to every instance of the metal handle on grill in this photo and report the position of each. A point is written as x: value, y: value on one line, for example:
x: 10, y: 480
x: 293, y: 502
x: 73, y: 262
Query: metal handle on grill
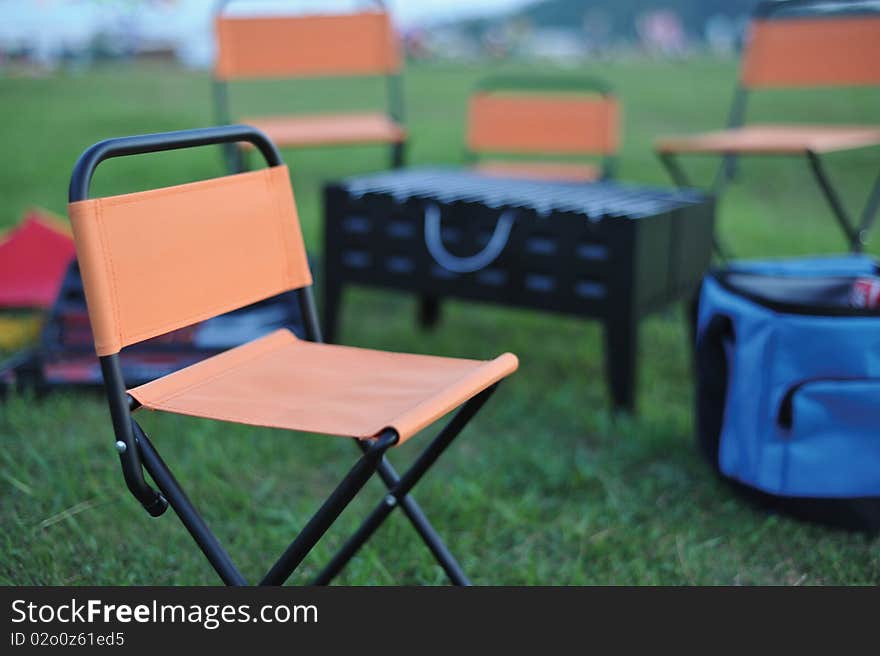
x: 455, y: 263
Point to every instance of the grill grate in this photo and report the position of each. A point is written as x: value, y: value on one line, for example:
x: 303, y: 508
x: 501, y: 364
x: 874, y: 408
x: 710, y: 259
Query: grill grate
x: 595, y: 200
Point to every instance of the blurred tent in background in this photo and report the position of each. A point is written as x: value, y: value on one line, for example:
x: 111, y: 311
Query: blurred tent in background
x: 33, y: 258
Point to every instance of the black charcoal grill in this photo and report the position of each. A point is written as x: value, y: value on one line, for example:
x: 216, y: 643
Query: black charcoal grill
x: 606, y: 250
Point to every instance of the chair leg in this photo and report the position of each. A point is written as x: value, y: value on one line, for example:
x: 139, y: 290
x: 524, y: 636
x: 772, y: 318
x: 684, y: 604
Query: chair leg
x: 330, y: 510
x: 189, y: 516
x: 869, y: 212
x: 355, y: 542
x: 304, y: 542
x: 852, y: 235
x: 429, y: 536
x: 398, y: 490
x: 681, y: 179
x: 673, y: 168
x: 374, y: 520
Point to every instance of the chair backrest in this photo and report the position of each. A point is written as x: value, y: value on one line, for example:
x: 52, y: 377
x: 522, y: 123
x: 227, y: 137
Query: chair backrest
x: 354, y: 44
x: 158, y: 260
x: 813, y: 43
x: 543, y: 116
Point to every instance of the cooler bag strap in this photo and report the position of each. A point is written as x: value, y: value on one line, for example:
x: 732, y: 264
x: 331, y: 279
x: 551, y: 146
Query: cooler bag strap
x: 455, y: 263
x: 711, y: 364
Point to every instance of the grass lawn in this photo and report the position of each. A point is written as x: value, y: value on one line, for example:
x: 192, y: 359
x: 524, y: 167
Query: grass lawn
x: 547, y: 487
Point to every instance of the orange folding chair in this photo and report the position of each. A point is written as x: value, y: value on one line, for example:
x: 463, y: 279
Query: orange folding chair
x: 543, y: 116
x: 158, y: 260
x: 359, y: 44
x: 798, y: 44
x: 512, y: 120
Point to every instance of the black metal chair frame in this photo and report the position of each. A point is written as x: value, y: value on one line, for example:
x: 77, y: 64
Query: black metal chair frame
x: 855, y: 231
x: 136, y: 451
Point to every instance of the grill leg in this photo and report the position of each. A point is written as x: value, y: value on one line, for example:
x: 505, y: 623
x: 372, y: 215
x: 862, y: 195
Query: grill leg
x: 429, y: 312
x: 398, y: 155
x: 621, y: 348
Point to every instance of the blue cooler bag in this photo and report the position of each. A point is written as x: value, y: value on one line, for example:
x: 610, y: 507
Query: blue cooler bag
x: 788, y: 385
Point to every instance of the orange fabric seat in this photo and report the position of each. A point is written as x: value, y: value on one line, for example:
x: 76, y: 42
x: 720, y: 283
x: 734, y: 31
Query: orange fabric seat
x: 281, y: 381
x: 774, y: 140
x: 329, y: 129
x: 570, y: 172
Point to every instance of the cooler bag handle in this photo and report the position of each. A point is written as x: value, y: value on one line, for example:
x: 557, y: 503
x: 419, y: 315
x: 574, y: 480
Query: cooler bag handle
x: 711, y: 364
x: 455, y: 263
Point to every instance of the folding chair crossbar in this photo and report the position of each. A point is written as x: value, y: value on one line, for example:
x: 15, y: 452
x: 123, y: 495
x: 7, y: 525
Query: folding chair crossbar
x: 137, y: 452
x: 399, y: 490
x: 330, y: 510
x: 423, y: 527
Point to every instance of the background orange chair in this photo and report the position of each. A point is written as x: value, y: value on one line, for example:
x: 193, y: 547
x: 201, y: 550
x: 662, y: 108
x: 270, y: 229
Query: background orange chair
x: 532, y: 117
x: 539, y: 128
x: 797, y: 44
x: 362, y: 44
